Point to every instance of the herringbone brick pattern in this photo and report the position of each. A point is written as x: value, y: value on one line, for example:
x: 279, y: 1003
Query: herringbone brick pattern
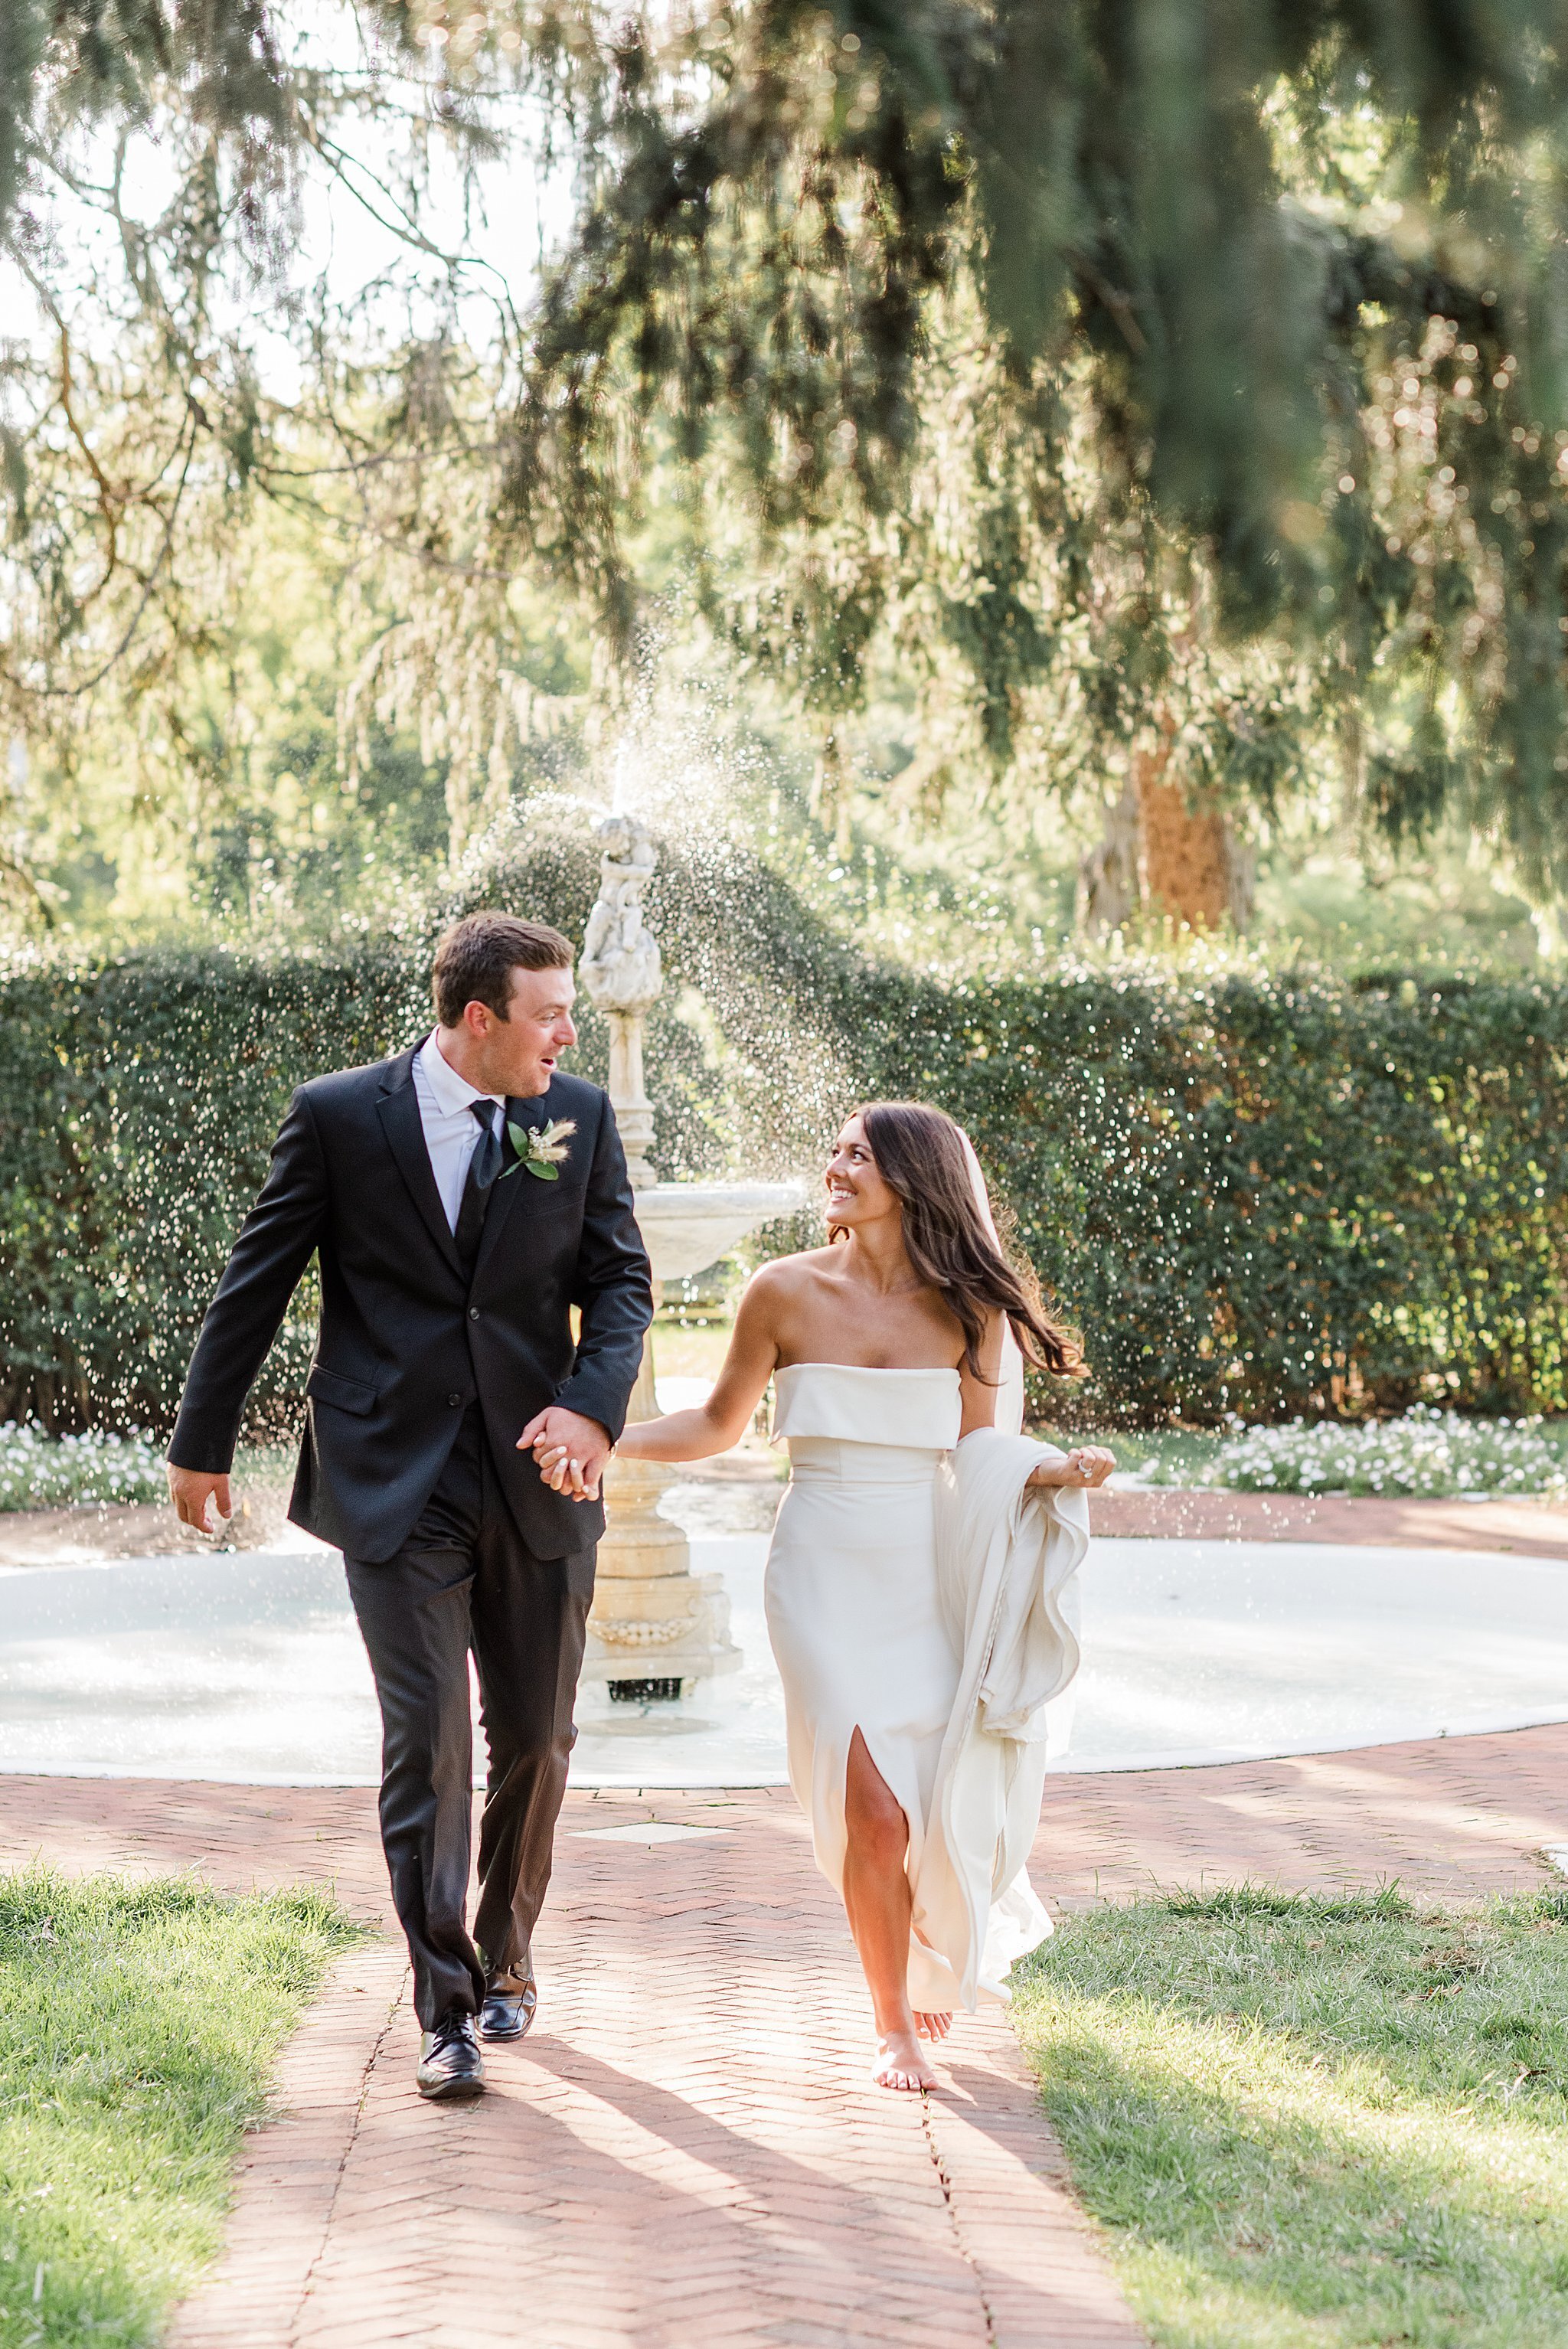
x: 685, y: 2152
x: 1450, y: 1818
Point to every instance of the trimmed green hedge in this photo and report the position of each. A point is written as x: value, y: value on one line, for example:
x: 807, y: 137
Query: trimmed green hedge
x: 137, y: 1103
x: 1277, y: 1196
x: 1266, y: 1197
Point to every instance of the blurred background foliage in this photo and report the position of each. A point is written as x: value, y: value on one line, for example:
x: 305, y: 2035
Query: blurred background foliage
x: 1114, y: 457
x: 1058, y: 513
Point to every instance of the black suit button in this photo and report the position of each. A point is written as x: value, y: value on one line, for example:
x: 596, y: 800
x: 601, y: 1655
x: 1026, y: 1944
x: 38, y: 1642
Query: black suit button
x: 473, y: 1313
x: 453, y: 1401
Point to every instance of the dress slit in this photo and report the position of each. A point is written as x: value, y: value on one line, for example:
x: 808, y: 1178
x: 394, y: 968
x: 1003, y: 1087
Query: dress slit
x: 853, y: 1610
x: 865, y: 1640
x: 827, y: 1803
x: 914, y: 1825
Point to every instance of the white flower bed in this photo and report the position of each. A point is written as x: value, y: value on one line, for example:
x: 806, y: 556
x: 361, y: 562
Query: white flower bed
x: 1426, y: 1453
x: 48, y: 1471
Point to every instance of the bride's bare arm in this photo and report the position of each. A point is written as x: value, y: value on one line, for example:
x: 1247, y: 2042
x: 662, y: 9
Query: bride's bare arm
x: 726, y: 1414
x: 979, y: 1396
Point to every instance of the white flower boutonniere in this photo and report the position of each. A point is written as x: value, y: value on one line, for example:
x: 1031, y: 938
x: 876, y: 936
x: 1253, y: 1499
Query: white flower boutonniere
x: 544, y: 1153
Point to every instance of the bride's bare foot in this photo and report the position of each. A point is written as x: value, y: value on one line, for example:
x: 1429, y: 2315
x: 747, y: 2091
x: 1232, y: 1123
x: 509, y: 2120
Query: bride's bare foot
x: 899, y: 2062
x: 933, y: 2027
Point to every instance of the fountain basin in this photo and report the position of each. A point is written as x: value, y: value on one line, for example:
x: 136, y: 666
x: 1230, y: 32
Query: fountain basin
x: 686, y: 1227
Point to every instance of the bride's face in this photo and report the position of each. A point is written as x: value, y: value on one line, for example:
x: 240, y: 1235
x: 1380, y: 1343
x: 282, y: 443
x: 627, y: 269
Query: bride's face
x: 857, y: 1194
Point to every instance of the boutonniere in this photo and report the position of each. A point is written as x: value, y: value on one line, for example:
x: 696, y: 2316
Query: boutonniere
x: 544, y: 1153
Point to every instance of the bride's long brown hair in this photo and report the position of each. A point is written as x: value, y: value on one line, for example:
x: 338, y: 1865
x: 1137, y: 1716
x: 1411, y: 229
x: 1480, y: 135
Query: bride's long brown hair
x: 920, y: 1155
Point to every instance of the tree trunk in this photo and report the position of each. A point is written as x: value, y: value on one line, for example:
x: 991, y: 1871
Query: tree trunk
x: 1194, y: 869
x: 1165, y: 855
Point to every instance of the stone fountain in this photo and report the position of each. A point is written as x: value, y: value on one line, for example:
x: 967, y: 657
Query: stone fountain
x: 656, y: 1629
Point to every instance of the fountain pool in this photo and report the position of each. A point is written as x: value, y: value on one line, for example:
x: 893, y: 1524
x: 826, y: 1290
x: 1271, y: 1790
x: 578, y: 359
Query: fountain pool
x: 247, y: 1667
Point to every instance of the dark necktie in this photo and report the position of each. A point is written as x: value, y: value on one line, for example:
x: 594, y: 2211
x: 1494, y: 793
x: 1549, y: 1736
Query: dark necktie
x: 483, y: 1168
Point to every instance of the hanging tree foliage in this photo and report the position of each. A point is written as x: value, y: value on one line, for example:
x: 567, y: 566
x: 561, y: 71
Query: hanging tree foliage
x: 1297, y: 271
x: 1287, y: 279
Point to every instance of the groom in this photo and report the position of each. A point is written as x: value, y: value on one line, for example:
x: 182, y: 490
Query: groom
x: 460, y: 1200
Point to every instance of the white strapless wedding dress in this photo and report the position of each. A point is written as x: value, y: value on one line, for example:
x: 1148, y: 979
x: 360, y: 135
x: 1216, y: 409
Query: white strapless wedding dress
x: 878, y: 1625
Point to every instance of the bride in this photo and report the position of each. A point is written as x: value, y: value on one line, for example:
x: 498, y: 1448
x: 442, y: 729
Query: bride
x: 915, y: 1577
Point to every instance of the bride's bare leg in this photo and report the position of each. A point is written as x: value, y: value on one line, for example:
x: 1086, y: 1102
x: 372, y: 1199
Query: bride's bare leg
x: 877, y: 1896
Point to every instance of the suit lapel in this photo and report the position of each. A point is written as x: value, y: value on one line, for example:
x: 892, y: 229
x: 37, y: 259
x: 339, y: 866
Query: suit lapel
x: 518, y: 1113
x: 399, y: 1108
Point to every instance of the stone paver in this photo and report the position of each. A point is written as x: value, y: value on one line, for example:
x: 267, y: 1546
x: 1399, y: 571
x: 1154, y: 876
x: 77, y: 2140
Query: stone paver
x: 1449, y: 1817
x: 291, y: 2172
x: 685, y: 2152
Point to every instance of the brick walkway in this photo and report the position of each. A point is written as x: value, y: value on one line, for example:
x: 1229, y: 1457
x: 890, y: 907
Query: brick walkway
x: 686, y: 2151
x: 1525, y: 1526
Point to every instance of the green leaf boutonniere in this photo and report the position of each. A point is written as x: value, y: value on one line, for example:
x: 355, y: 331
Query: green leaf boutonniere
x: 542, y: 1154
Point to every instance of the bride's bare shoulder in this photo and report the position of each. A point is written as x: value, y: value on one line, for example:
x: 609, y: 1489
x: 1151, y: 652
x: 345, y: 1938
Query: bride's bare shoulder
x: 785, y: 1277
x: 772, y: 1302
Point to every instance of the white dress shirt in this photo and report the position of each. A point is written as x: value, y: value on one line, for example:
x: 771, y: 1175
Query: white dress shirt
x: 451, y: 1128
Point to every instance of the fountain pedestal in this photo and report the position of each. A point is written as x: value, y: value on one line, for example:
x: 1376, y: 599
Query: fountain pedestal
x: 655, y: 1628
x: 653, y: 1621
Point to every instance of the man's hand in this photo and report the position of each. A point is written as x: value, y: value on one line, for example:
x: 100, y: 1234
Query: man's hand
x: 190, y: 1489
x: 1087, y: 1467
x: 571, y: 1451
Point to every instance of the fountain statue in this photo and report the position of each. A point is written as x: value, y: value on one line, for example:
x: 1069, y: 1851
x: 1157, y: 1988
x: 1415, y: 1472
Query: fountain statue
x: 620, y: 968
x: 655, y: 1628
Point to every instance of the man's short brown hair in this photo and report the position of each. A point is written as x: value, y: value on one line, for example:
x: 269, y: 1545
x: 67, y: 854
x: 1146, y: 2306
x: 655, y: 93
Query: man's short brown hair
x: 476, y: 957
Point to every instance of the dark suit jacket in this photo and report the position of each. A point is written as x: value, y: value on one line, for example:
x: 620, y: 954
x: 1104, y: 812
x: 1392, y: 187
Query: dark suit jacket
x: 405, y: 1342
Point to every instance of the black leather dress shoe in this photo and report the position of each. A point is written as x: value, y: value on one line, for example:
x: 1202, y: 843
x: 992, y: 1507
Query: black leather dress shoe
x: 450, y: 2063
x: 510, y: 2007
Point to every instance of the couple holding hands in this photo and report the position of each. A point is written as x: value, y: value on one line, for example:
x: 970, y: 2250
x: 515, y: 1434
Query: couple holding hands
x: 461, y: 1198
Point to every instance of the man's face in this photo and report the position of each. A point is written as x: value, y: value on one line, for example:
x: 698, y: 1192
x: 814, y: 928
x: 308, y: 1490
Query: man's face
x: 518, y: 1055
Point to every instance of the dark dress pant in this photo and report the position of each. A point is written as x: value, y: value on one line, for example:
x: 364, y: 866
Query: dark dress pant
x: 465, y: 1578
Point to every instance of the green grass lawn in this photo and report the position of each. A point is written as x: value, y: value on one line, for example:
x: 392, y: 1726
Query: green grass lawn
x: 1317, y: 2122
x: 138, y: 2025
